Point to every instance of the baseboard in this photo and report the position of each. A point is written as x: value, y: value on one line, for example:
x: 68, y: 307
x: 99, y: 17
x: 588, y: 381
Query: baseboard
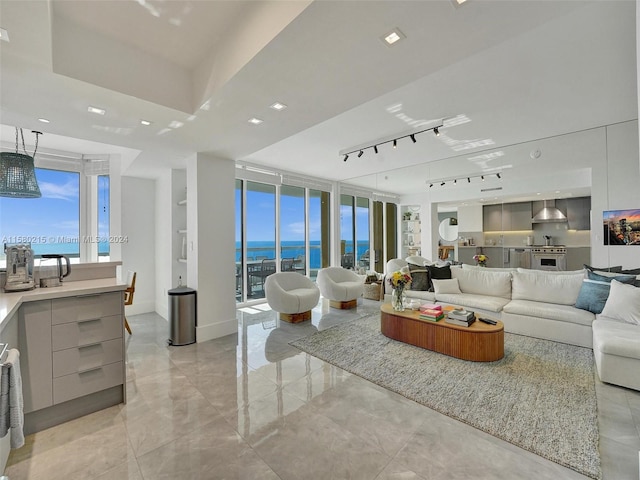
x: 163, y: 312
x: 216, y: 330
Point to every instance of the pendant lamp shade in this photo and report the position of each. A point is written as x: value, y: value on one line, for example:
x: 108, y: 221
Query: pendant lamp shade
x: 18, y: 176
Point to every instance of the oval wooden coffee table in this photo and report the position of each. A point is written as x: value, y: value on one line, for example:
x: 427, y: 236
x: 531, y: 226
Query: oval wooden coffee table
x: 479, y: 342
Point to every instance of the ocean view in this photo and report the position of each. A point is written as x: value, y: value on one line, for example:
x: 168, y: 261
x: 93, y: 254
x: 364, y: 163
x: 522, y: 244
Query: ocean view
x: 292, y: 249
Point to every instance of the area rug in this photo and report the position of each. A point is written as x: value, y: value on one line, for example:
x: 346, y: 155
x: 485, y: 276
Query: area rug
x: 542, y: 393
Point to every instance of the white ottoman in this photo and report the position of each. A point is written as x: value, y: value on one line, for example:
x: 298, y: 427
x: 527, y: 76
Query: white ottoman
x: 616, y: 349
x: 340, y: 286
x: 292, y: 295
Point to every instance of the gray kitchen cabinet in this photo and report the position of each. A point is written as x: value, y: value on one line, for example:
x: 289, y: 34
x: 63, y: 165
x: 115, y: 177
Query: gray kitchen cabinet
x: 497, y: 257
x: 465, y: 254
x: 506, y: 217
x: 34, y: 340
x: 579, y: 213
x: 519, y: 216
x: 492, y: 218
x: 71, y: 348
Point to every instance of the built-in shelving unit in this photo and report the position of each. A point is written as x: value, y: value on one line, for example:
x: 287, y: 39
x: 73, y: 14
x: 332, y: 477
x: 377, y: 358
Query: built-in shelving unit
x: 410, y: 228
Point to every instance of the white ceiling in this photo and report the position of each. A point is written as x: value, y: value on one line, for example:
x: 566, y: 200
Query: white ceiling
x: 516, y: 70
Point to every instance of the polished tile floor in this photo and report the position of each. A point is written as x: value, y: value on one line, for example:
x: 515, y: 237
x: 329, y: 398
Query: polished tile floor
x: 249, y: 406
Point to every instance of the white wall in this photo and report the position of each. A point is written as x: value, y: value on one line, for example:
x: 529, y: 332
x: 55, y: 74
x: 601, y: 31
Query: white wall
x: 138, y: 253
x: 163, y: 242
x: 211, y: 243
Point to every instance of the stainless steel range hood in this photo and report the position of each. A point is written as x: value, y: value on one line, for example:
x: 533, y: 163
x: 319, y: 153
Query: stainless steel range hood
x: 549, y: 214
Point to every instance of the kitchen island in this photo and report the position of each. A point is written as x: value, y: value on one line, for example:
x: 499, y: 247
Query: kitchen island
x: 72, y: 352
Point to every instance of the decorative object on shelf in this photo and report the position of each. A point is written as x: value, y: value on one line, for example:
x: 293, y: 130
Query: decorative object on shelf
x: 481, y: 259
x: 399, y: 280
x: 17, y: 172
x: 406, y: 216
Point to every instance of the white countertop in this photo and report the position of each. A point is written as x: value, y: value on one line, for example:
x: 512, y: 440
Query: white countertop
x: 10, y: 302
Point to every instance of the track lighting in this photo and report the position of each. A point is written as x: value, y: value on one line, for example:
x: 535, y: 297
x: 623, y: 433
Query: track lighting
x: 454, y: 181
x: 394, y: 141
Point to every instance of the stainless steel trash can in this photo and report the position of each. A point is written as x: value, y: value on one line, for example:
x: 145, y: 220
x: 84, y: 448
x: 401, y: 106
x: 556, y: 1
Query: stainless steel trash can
x: 182, y: 316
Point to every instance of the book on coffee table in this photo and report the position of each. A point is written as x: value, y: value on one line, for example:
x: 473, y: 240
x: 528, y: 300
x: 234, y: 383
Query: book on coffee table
x: 461, y: 314
x: 431, y: 315
x: 461, y: 323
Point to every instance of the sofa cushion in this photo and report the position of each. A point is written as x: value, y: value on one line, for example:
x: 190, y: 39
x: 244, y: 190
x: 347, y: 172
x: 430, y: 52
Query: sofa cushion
x: 593, y: 295
x: 439, y: 272
x: 623, y: 303
x: 429, y: 296
x: 483, y: 281
x: 540, y: 286
x: 616, y: 269
x: 582, y: 271
x: 419, y: 278
x: 449, y: 286
x: 491, y: 269
x: 551, y: 311
x: 616, y: 338
x: 470, y: 300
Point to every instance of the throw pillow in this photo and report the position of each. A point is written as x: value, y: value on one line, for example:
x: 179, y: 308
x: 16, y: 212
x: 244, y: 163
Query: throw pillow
x: 633, y: 271
x: 616, y: 269
x: 446, y: 286
x: 628, y: 279
x: 623, y: 303
x: 419, y: 278
x: 439, y: 273
x: 593, y: 295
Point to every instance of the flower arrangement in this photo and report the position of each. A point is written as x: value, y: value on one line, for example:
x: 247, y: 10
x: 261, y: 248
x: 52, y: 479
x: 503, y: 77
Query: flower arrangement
x: 481, y: 259
x: 400, y: 279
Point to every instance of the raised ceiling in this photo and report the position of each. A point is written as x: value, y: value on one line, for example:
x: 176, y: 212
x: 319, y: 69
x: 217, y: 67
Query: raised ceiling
x: 500, y: 73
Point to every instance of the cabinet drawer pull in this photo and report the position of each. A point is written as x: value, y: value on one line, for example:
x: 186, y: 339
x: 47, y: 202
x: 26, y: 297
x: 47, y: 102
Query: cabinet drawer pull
x: 90, y: 295
x: 92, y: 369
x: 88, y: 345
x: 89, y: 320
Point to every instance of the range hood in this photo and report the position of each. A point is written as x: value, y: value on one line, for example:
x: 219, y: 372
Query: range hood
x: 549, y: 214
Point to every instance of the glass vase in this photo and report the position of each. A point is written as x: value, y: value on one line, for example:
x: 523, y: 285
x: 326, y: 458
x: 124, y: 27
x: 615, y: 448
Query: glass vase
x: 398, y: 298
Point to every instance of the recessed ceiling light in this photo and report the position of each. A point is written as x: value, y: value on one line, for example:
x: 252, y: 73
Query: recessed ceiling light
x: 4, y: 35
x: 278, y: 106
x: 43, y: 120
x: 458, y: 3
x: 96, y: 110
x: 255, y: 121
x: 176, y: 124
x: 146, y: 123
x: 392, y: 37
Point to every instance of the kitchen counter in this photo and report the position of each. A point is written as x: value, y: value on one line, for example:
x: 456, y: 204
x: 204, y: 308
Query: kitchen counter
x: 10, y: 302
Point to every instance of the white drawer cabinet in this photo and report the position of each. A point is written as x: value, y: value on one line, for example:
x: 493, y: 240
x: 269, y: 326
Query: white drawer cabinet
x: 72, y: 347
x: 87, y: 357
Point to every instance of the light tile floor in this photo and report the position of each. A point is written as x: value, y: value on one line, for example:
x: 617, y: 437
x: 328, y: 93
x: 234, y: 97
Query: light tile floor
x: 251, y: 407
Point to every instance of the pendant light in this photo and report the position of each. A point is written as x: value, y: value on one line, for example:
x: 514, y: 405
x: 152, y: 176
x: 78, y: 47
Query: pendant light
x: 17, y: 172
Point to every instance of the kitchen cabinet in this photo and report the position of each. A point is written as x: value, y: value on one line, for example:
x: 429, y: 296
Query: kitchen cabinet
x: 579, y: 213
x: 577, y: 257
x: 465, y: 254
x: 498, y: 257
x: 70, y: 348
x: 507, y: 217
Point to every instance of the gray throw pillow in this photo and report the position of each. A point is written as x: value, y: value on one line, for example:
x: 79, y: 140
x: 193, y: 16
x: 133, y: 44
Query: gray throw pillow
x: 419, y: 278
x: 438, y: 273
x: 628, y: 279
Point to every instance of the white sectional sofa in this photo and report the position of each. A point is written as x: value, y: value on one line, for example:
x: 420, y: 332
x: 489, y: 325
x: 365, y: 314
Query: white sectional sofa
x: 543, y: 305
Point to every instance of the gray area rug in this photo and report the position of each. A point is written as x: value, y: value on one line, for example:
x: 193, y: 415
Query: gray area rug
x: 542, y: 393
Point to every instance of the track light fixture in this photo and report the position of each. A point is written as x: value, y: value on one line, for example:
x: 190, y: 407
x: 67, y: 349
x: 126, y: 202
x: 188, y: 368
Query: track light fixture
x: 394, y: 141
x: 454, y: 180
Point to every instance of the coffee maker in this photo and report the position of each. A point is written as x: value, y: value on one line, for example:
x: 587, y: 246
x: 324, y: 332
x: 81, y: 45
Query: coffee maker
x: 19, y: 267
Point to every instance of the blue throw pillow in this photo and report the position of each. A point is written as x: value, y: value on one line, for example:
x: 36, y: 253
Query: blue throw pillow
x: 628, y: 279
x: 593, y: 295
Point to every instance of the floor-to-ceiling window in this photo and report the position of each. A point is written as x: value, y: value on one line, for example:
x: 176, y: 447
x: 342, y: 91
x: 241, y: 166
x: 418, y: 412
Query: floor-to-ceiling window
x: 347, y: 231
x: 292, y: 229
x: 103, y: 215
x: 260, y: 236
x: 319, y: 231
x: 238, y: 234
x: 364, y: 256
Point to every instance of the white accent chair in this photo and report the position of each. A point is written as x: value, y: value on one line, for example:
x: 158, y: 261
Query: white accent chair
x: 340, y: 286
x: 418, y: 260
x: 292, y: 295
